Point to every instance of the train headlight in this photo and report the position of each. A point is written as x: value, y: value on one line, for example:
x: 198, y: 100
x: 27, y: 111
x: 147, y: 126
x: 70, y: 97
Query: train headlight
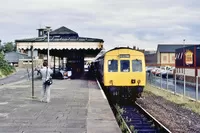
x: 138, y: 81
x: 111, y: 82
x: 132, y: 81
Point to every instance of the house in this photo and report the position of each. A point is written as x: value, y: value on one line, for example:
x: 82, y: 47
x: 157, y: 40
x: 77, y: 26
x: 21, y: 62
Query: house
x: 14, y: 57
x: 150, y: 58
x: 166, y: 53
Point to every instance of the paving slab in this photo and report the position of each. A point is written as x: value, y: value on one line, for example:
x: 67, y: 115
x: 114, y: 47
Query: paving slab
x: 77, y: 106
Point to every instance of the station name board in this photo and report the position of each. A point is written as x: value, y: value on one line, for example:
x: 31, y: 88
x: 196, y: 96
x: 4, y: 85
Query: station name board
x: 124, y: 56
x: 188, y: 57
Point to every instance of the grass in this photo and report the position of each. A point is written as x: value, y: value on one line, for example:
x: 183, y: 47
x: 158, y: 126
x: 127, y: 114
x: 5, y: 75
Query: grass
x: 1, y: 75
x: 180, y: 100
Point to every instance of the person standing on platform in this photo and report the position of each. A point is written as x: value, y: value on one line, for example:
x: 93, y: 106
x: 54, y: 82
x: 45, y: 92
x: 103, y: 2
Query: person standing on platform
x: 46, y: 74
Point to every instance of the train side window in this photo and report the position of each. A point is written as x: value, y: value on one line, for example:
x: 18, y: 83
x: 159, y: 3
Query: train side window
x: 112, y: 65
x: 125, y: 65
x: 137, y: 65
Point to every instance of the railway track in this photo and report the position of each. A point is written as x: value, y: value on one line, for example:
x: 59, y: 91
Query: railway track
x: 136, y: 119
x: 132, y: 118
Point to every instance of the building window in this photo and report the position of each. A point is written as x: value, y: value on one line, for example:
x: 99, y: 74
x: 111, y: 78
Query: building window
x: 164, y: 58
x: 41, y: 33
x: 173, y: 58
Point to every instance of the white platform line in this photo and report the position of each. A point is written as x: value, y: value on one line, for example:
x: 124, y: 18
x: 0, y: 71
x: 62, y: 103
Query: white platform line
x: 104, y: 96
x: 3, y: 103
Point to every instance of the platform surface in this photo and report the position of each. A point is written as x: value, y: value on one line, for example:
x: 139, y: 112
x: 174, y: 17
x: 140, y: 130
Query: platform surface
x: 77, y: 106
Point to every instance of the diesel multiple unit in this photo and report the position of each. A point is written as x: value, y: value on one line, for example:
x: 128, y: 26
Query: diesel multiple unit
x: 122, y: 70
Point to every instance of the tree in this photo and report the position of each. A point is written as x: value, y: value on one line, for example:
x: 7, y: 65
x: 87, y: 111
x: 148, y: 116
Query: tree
x: 8, y: 47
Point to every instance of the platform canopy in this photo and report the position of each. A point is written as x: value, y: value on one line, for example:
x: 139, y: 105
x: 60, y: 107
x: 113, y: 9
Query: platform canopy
x: 60, y: 39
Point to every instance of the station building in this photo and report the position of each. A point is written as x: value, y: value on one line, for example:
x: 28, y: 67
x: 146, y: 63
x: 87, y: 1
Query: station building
x: 66, y: 48
x: 164, y: 55
x: 188, y: 62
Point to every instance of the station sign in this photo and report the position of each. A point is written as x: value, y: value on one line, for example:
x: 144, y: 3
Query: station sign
x: 188, y: 57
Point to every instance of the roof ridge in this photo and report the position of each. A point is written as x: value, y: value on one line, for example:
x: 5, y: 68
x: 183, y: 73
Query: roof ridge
x: 63, y: 30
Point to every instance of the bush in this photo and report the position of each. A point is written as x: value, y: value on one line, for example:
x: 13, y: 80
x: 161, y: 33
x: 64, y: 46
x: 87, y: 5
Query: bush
x: 5, y: 68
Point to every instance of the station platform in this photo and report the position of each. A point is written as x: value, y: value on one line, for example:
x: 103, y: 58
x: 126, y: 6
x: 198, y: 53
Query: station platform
x: 77, y: 106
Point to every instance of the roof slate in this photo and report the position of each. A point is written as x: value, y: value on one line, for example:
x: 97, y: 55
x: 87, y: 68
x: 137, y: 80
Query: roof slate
x: 53, y: 39
x: 63, y: 31
x: 15, y: 56
x: 61, y: 34
x: 170, y: 48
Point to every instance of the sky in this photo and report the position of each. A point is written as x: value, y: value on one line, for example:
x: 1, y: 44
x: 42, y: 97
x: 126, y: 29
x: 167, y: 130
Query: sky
x: 140, y: 23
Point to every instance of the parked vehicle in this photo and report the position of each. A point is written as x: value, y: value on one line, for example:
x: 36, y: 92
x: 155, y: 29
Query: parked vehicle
x: 61, y: 73
x: 154, y: 70
x: 149, y: 68
x: 168, y: 73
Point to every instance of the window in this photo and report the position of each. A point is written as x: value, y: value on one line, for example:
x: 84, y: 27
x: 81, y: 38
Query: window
x: 164, y: 58
x: 112, y: 66
x: 41, y: 33
x: 137, y: 65
x: 173, y: 58
x: 125, y: 65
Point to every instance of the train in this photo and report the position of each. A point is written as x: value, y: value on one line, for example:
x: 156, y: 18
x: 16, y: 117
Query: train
x: 122, y: 72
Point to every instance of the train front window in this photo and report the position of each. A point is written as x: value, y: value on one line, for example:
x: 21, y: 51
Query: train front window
x: 137, y: 65
x: 112, y: 66
x: 125, y: 65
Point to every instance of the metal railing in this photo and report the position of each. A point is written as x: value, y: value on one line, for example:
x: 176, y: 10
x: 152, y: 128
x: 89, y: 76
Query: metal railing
x: 176, y: 84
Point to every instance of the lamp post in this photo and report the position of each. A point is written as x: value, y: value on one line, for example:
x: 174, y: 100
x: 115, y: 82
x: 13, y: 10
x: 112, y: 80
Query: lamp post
x: 183, y: 42
x: 48, y: 30
x: 32, y: 71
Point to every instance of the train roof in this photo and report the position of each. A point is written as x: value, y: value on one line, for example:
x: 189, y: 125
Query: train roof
x: 103, y: 52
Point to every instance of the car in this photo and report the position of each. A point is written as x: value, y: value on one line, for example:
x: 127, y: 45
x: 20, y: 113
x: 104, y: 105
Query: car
x: 86, y: 66
x: 168, y: 73
x: 149, y: 68
x: 61, y: 73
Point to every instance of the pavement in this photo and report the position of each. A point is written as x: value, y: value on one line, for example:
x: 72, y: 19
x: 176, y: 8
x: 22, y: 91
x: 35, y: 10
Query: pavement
x: 77, y: 106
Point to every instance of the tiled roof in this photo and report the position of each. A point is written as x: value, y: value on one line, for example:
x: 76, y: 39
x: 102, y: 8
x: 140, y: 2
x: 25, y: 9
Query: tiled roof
x: 15, y: 56
x: 60, y: 39
x: 63, y: 31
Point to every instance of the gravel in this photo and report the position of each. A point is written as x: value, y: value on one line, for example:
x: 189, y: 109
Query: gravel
x: 174, y: 116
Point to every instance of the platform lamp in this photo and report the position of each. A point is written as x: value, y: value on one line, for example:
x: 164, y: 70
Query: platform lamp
x: 183, y: 42
x: 48, y: 28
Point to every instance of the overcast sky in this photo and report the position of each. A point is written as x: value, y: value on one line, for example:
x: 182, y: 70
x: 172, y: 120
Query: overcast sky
x: 143, y: 23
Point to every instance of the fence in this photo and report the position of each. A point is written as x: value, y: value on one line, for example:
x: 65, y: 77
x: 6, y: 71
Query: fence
x: 176, y: 85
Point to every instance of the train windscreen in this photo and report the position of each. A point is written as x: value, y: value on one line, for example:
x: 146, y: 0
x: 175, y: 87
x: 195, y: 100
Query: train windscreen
x: 112, y: 65
x: 137, y: 65
x: 125, y: 65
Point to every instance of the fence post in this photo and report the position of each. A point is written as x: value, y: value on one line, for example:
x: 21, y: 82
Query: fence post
x: 150, y: 77
x: 197, y: 87
x: 175, y: 85
x: 160, y: 81
x: 167, y: 80
x: 184, y: 85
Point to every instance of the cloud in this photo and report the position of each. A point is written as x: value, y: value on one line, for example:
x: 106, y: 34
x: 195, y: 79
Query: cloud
x: 144, y: 23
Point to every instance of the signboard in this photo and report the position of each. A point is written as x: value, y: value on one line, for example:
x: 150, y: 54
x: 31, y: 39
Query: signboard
x: 124, y: 56
x: 188, y: 57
